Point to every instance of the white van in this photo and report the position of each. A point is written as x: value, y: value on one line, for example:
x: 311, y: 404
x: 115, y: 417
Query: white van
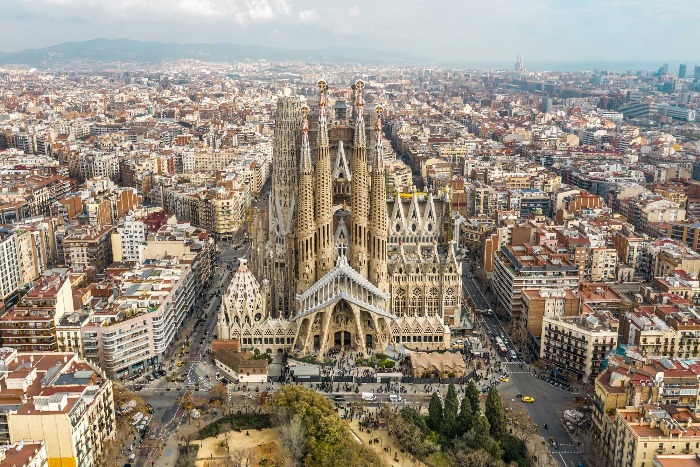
x: 395, y: 398
x: 368, y: 396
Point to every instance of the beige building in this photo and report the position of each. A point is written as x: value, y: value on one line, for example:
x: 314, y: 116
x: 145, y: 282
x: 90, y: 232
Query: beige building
x: 551, y: 303
x: 89, y: 247
x: 577, y: 345
x: 668, y: 255
x: 639, y: 434
x: 206, y: 161
x: 603, y: 264
x: 58, y: 399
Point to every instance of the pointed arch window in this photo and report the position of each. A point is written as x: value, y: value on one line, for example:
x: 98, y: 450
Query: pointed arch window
x: 416, y: 303
x: 432, y: 303
x: 450, y: 297
x: 400, y: 302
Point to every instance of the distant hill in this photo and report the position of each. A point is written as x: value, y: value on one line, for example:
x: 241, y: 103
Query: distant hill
x: 124, y: 50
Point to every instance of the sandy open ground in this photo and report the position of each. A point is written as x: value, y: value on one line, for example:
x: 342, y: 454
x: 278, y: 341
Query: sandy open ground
x: 259, y: 444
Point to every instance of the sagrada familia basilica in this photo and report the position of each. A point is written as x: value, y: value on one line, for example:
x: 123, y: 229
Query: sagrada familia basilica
x: 337, y: 261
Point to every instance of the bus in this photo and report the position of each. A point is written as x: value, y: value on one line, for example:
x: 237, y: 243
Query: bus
x: 501, y: 347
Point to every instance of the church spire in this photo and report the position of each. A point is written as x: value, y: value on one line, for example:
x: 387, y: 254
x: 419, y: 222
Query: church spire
x: 378, y: 213
x: 324, y: 189
x: 305, y: 227
x: 359, y: 189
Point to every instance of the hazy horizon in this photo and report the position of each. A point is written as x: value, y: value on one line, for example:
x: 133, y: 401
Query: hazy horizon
x: 445, y: 31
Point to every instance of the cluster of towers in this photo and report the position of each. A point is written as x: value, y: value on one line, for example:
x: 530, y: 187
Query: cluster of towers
x: 301, y: 208
x: 342, y: 262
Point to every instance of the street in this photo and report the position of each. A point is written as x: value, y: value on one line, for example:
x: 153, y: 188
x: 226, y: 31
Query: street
x: 550, y: 401
x: 197, y: 369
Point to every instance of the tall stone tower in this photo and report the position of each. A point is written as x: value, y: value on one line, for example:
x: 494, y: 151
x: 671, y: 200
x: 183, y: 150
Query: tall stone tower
x: 306, y: 227
x: 378, y: 214
x: 359, y: 190
x: 283, y: 199
x: 324, y: 190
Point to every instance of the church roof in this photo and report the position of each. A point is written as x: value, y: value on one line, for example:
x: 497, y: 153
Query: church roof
x: 337, y: 278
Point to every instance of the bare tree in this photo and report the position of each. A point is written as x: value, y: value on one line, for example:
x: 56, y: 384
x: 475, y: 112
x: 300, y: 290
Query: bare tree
x: 241, y: 457
x: 292, y: 436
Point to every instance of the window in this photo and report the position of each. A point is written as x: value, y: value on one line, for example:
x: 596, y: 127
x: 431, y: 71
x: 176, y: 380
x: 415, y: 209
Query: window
x: 450, y: 297
x: 399, y: 302
x: 416, y: 299
x: 432, y: 305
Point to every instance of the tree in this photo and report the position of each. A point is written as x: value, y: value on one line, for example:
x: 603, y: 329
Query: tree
x: 241, y: 457
x: 435, y: 413
x: 449, y: 417
x: 410, y: 432
x: 475, y: 458
x: 328, y: 439
x: 465, y: 420
x: 481, y: 430
x: 218, y: 393
x: 412, y: 415
x: 473, y: 396
x: 292, y: 436
x: 495, y: 414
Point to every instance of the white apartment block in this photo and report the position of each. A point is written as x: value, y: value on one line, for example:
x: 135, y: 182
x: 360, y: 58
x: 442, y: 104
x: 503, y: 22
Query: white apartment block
x: 129, y: 240
x: 132, y: 333
x: 9, y: 264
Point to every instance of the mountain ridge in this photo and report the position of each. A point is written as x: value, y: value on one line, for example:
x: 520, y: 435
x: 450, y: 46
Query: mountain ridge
x: 129, y: 50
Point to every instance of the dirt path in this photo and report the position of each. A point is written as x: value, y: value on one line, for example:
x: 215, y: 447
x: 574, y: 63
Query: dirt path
x: 258, y: 444
x: 393, y: 452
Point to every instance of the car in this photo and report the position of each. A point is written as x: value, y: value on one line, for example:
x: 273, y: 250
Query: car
x: 528, y: 399
x: 339, y: 398
x: 180, y: 363
x: 504, y: 378
x: 162, y: 372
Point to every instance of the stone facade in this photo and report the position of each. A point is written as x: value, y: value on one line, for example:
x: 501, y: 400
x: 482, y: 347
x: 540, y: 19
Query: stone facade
x: 358, y: 272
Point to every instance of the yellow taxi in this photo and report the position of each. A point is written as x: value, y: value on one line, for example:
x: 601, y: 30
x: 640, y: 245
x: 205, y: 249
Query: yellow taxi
x: 528, y: 399
x: 180, y: 363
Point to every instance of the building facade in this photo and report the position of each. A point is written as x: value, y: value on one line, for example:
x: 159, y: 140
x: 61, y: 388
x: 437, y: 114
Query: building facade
x: 343, y: 263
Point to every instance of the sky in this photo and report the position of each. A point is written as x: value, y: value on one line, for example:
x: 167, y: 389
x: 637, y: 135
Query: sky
x: 443, y: 30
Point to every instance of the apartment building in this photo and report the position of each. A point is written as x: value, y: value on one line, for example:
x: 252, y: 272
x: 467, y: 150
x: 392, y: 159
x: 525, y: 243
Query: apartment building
x: 25, y: 453
x: 603, y: 264
x: 89, y: 247
x: 131, y: 334
x: 59, y: 399
x: 641, y: 433
x: 9, y: 266
x: 577, y: 345
x: 221, y: 210
x: 631, y: 249
x: 686, y: 232
x: 541, y: 303
x: 129, y: 239
x: 31, y: 324
x: 631, y: 380
x: 527, y: 267
x: 206, y: 161
x: 667, y: 255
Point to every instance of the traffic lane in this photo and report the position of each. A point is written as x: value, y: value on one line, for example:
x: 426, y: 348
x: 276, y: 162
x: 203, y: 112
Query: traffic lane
x: 474, y: 291
x: 549, y: 406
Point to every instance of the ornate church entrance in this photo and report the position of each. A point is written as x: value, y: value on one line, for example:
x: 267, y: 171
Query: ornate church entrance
x: 342, y: 340
x: 342, y: 324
